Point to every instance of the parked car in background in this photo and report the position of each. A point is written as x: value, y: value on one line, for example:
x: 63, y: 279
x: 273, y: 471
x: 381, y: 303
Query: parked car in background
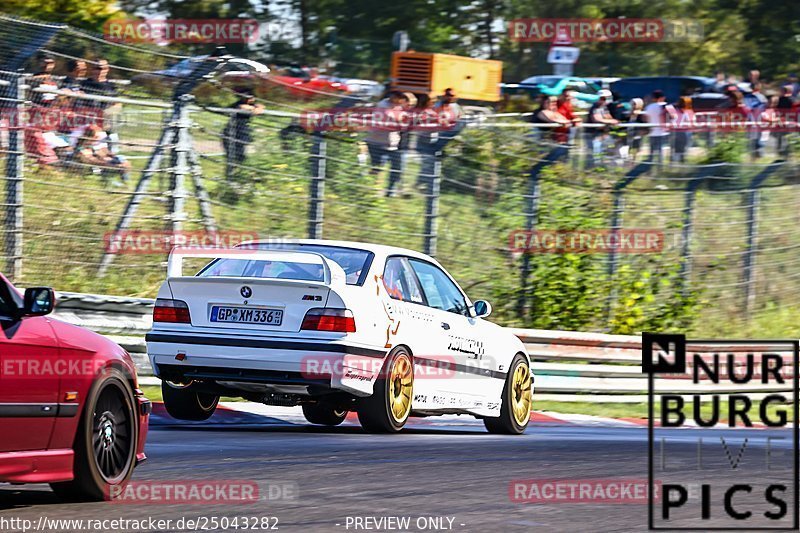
x: 583, y: 90
x: 702, y: 90
x: 71, y: 413
x: 364, y: 88
x: 302, y: 82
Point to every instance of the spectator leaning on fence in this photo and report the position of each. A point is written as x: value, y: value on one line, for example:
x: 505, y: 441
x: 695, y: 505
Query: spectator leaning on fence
x: 380, y: 139
x: 397, y: 159
x: 566, y: 109
x: 237, y: 133
x: 549, y: 115
x: 76, y: 71
x: 101, y: 113
x: 597, y: 136
x: 41, y: 138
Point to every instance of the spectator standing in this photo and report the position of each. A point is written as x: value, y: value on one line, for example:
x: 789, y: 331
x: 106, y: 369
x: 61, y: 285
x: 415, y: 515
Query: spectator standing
x: 597, y: 137
x: 658, y: 114
x: 566, y: 109
x: 425, y: 139
x: 448, y: 103
x: 683, y: 123
x: 380, y: 141
x: 397, y: 158
x: 448, y: 123
x: 784, y: 104
x: 719, y: 81
x: 757, y: 103
x: 636, y: 133
x: 237, y: 133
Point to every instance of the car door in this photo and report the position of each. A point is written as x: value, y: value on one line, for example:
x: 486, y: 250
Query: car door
x: 29, y: 378
x: 463, y: 342
x: 416, y: 325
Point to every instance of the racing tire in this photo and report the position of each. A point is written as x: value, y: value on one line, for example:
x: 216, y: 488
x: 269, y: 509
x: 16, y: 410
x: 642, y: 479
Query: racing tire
x: 515, y: 408
x: 389, y: 406
x: 105, y: 443
x: 323, y: 413
x: 185, y: 403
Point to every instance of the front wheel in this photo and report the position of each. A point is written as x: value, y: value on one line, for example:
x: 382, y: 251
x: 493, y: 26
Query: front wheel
x: 186, y: 403
x: 515, y: 409
x: 105, y: 445
x: 387, y: 410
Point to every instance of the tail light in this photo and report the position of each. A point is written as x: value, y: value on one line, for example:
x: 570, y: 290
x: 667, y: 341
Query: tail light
x: 173, y: 311
x: 329, y: 319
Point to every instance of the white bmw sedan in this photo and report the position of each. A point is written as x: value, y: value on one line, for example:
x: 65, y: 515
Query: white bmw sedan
x: 334, y: 327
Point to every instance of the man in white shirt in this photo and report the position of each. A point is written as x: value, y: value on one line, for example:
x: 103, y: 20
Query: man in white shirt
x: 658, y: 113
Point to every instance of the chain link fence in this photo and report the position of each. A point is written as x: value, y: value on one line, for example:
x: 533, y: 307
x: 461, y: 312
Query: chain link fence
x: 144, y: 153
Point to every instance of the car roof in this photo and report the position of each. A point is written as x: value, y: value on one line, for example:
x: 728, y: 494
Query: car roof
x: 377, y: 249
x: 651, y: 78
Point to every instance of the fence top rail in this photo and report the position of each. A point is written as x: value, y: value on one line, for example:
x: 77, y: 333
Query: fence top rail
x: 108, y: 99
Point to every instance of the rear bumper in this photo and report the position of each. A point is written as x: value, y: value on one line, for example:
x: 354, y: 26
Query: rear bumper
x: 284, y: 361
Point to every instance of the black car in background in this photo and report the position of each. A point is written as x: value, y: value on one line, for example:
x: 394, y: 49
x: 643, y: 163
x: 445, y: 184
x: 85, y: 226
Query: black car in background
x: 702, y: 90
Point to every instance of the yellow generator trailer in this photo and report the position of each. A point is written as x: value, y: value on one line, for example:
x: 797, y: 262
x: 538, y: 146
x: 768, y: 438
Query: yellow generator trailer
x: 473, y: 79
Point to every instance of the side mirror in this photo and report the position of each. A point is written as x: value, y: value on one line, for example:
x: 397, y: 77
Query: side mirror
x: 482, y: 308
x: 39, y: 301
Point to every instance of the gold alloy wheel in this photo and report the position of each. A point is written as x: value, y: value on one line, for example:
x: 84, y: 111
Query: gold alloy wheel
x: 401, y: 381
x: 521, y: 394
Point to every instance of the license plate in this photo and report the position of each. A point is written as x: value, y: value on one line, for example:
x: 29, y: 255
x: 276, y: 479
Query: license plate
x: 247, y: 315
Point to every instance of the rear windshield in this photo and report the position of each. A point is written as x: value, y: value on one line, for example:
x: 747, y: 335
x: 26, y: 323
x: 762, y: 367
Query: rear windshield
x: 247, y: 268
x: 354, y: 262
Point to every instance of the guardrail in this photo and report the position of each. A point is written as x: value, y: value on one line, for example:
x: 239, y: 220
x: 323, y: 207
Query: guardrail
x: 569, y: 366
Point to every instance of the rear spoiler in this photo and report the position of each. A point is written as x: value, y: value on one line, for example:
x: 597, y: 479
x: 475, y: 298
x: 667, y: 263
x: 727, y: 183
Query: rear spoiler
x: 333, y: 273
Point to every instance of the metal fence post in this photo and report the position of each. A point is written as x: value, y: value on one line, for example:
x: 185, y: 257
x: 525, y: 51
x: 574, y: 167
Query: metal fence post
x: 14, y: 178
x: 532, y: 200
x: 617, y: 214
x: 432, y: 206
x: 316, y: 203
x: 749, y: 259
x: 687, y: 231
x: 180, y: 167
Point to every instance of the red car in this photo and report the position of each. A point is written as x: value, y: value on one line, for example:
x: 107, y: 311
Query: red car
x: 71, y: 413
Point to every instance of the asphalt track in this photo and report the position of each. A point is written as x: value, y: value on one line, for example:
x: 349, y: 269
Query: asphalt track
x: 453, y: 470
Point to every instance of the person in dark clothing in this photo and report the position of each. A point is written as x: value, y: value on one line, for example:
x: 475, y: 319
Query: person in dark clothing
x: 94, y: 111
x: 783, y: 106
x: 76, y: 71
x: 237, y: 133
